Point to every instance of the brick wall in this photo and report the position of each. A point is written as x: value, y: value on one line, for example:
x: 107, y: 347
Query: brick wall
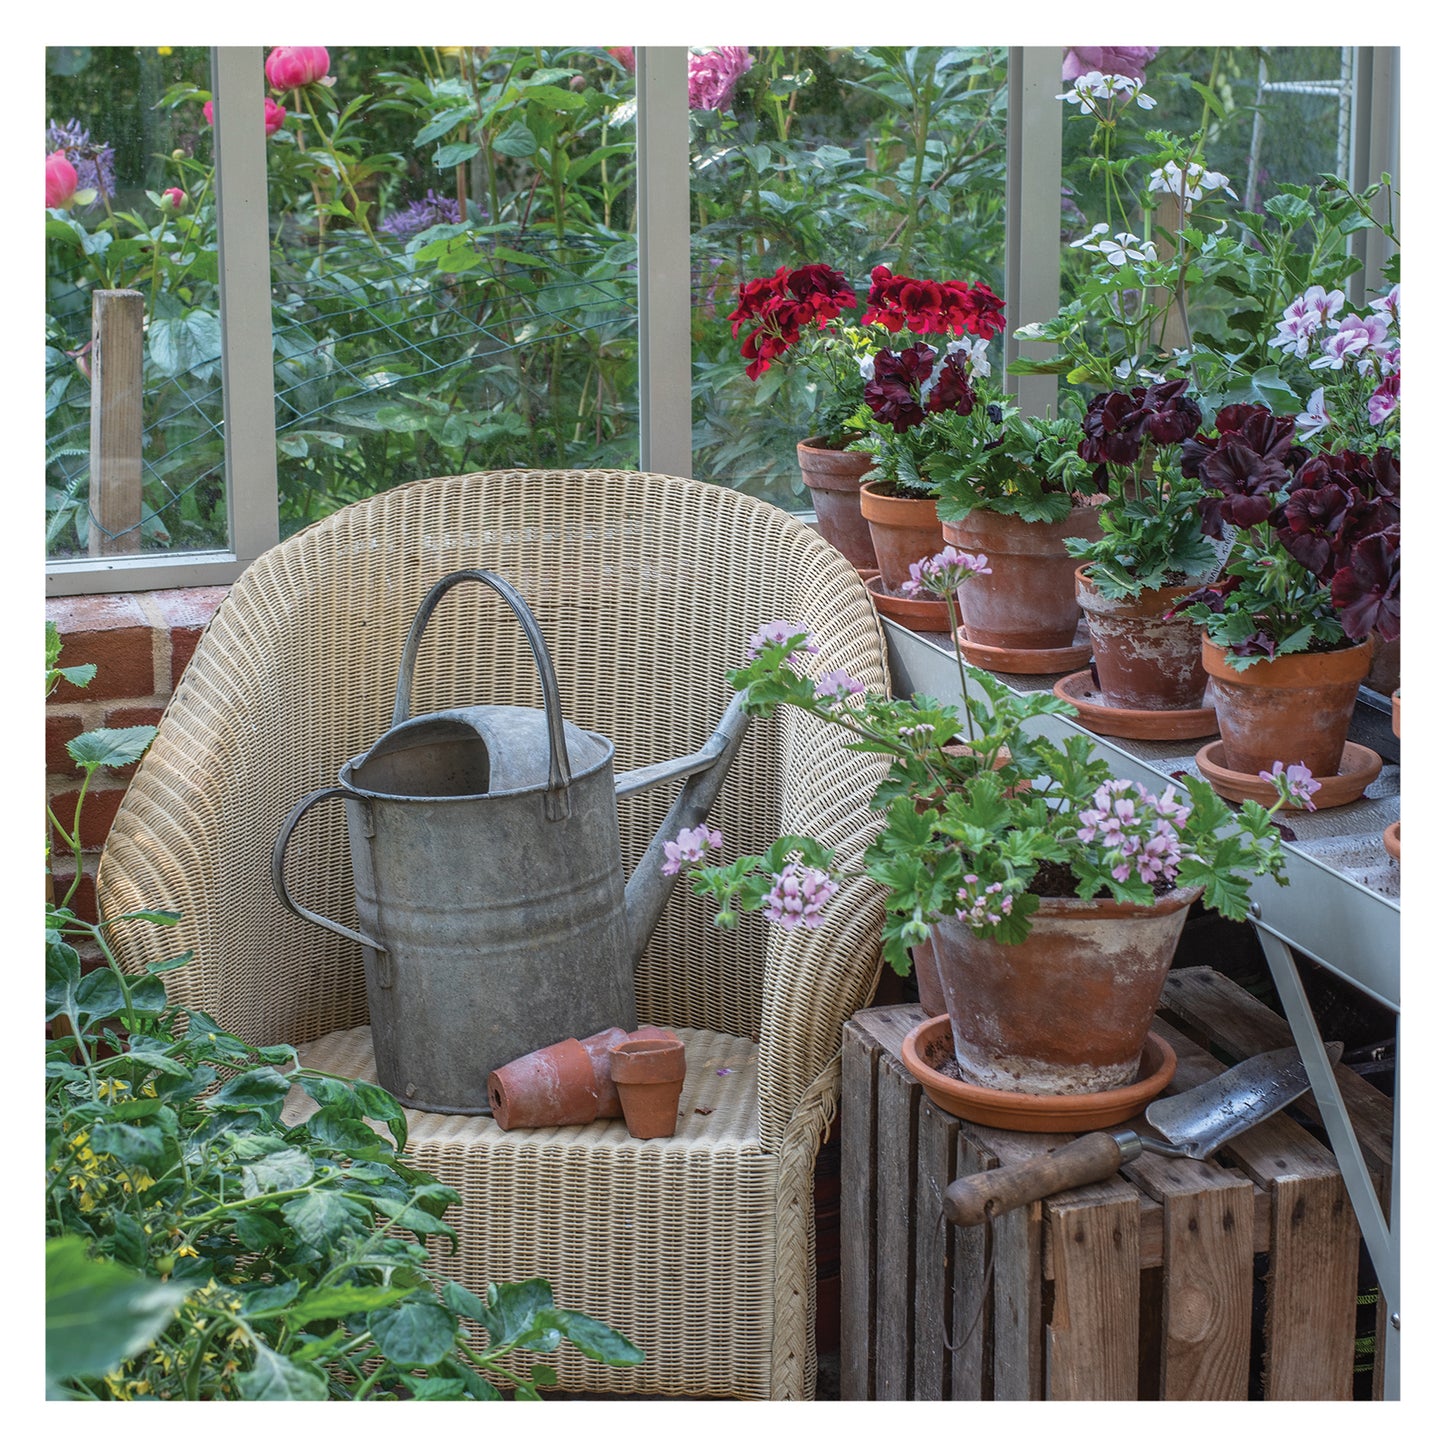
x: 140, y: 643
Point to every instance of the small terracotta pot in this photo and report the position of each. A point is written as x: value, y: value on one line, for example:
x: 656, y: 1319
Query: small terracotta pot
x: 649, y: 1075
x: 905, y: 530
x: 834, y: 478
x: 1066, y: 1011
x: 598, y: 1047
x: 1143, y: 661
x: 551, y: 1086
x: 1293, y: 709
x: 1027, y: 600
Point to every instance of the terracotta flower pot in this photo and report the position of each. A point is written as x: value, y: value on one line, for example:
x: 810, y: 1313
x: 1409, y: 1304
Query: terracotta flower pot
x: 1027, y: 601
x: 551, y: 1086
x: 649, y: 1075
x: 1287, y: 709
x: 905, y: 530
x: 598, y: 1047
x: 925, y: 973
x: 1068, y: 1010
x: 1143, y: 661
x: 834, y: 478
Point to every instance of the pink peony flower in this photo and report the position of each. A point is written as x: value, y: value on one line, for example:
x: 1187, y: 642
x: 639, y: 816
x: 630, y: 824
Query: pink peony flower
x: 624, y: 56
x: 1127, y: 60
x: 173, y: 196
x: 289, y: 67
x: 61, y: 181
x: 712, y: 75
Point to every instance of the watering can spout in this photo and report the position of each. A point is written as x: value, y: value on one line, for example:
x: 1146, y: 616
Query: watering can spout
x: 705, y: 770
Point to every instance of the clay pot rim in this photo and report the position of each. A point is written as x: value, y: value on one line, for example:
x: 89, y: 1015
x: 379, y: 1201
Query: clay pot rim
x: 880, y: 507
x: 929, y: 613
x: 1359, y: 767
x: 1295, y: 669
x: 648, y: 1061
x: 1152, y: 724
x: 1011, y: 522
x: 1105, y: 906
x: 1150, y: 601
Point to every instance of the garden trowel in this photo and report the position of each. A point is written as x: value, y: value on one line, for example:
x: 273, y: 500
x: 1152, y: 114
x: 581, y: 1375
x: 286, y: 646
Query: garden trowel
x: 1191, y: 1125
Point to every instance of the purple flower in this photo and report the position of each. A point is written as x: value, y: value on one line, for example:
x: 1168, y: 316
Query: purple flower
x: 778, y: 634
x: 1384, y: 399
x: 797, y: 897
x: 1127, y: 60
x: 712, y: 75
x: 982, y: 907
x: 431, y: 210
x: 945, y: 572
x: 1355, y: 338
x: 94, y: 162
x: 689, y: 846
x: 1296, y: 784
x: 836, y: 684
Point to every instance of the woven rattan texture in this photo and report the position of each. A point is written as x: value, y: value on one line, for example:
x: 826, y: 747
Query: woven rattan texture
x: 646, y: 589
x: 597, y: 1212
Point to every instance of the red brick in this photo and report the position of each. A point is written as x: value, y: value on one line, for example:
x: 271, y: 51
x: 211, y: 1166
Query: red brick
x: 101, y: 805
x: 132, y: 717
x: 187, y: 610
x: 60, y: 728
x: 114, y: 634
x: 83, y: 904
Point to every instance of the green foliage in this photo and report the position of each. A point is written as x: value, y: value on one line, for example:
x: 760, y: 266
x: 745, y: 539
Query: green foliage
x: 982, y: 814
x: 204, y: 1244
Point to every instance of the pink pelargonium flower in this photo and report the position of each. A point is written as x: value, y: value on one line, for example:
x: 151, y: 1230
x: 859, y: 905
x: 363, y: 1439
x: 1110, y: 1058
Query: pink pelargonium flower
x: 1111, y: 59
x: 1296, y: 784
x: 712, y: 75
x: 945, y: 572
x: 289, y: 67
x: 777, y: 634
x: 1384, y: 399
x: 689, y: 846
x: 797, y: 897
x: 61, y: 181
x: 1354, y: 339
x: 836, y: 684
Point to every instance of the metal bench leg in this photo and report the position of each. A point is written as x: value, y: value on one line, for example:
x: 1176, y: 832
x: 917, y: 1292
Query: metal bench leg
x: 1381, y: 1237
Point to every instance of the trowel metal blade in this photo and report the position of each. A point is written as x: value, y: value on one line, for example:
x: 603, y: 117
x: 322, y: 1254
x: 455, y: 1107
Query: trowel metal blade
x: 1199, y: 1120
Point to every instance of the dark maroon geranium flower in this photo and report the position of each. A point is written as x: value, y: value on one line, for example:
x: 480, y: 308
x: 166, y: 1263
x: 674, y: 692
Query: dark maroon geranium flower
x: 825, y: 290
x: 1366, y: 590
x: 892, y: 394
x: 1311, y: 520
x: 952, y: 391
x: 1165, y: 414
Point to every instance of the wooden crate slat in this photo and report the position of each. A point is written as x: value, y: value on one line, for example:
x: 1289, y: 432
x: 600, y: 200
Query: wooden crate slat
x: 1208, y: 1291
x: 1093, y: 1329
x: 1310, y: 1304
x: 858, y: 1122
x: 934, y: 1247
x: 896, y: 1168
x: 971, y: 1328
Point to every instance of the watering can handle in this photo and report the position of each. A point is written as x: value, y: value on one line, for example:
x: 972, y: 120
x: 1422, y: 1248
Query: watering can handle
x: 559, y: 768
x: 278, y: 869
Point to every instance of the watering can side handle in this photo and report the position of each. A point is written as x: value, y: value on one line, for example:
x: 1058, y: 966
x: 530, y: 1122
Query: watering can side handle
x: 278, y: 869
x: 559, y: 767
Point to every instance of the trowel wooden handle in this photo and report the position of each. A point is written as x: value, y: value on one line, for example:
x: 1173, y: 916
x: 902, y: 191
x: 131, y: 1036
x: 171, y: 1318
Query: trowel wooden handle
x: 995, y: 1191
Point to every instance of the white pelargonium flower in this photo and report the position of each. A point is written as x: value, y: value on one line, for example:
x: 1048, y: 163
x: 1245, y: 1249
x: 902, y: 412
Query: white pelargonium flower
x: 1190, y: 183
x: 1314, y: 418
x: 1094, y: 85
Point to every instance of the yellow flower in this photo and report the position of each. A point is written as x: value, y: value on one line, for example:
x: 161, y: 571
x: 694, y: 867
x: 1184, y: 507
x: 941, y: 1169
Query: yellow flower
x: 187, y: 1251
x: 163, y: 50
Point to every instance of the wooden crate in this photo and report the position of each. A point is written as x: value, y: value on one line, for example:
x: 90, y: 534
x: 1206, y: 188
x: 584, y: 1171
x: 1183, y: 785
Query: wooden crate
x: 1141, y: 1287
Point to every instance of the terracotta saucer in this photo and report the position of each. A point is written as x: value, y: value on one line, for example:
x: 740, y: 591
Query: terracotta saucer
x: 1359, y: 767
x: 918, y: 614
x: 1100, y: 716
x: 867, y: 573
x: 1392, y: 840
x: 931, y: 1043
x: 1029, y: 661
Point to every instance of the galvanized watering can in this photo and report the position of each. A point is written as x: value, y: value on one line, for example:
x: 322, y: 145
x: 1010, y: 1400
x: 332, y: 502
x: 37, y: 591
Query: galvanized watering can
x: 492, y: 910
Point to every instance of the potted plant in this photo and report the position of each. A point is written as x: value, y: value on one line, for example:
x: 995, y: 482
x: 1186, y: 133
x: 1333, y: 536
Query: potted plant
x: 1313, y: 570
x: 791, y: 316
x: 1007, y: 851
x: 1151, y: 550
x: 1013, y: 488
x: 882, y: 376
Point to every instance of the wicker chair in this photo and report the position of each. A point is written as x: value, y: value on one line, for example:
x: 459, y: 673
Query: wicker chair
x: 699, y: 1248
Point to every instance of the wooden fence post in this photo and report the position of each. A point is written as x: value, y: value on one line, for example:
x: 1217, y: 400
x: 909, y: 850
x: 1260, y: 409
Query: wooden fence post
x: 116, y: 356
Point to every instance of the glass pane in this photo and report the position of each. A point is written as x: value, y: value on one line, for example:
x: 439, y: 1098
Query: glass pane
x: 130, y: 208
x: 851, y: 157
x: 1250, y: 119
x: 454, y: 274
